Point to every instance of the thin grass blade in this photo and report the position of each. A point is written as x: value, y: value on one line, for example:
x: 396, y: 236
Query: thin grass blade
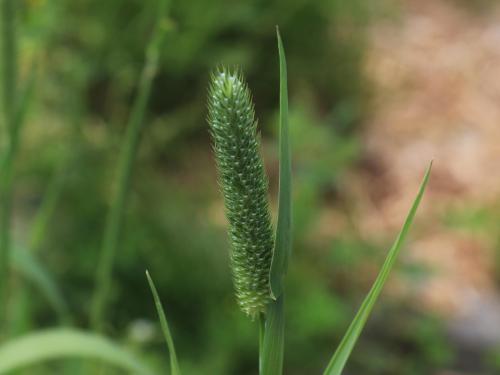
x: 282, y: 247
x: 60, y: 343
x: 339, y: 359
x: 274, y: 336
x: 174, y: 364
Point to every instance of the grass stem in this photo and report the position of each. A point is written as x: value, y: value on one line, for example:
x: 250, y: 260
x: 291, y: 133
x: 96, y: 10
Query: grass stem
x: 114, y: 221
x: 9, y: 86
x: 262, y: 330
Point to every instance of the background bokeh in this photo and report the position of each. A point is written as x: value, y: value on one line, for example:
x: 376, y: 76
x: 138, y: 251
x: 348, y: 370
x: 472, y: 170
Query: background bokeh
x: 377, y: 90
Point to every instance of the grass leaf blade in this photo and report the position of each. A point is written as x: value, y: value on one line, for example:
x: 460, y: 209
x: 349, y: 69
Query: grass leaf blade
x: 63, y: 343
x: 282, y: 247
x: 339, y: 359
x: 273, y: 346
x: 174, y: 365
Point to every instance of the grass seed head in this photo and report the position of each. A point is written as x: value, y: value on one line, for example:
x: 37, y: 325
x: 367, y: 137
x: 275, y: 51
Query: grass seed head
x: 244, y: 185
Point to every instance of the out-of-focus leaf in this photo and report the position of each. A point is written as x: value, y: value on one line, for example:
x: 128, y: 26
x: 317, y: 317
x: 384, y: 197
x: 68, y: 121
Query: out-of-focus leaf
x: 62, y: 343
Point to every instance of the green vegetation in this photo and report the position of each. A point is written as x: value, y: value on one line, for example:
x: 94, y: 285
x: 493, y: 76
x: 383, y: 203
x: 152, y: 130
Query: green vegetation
x: 114, y: 175
x: 259, y: 283
x: 9, y: 92
x: 114, y: 220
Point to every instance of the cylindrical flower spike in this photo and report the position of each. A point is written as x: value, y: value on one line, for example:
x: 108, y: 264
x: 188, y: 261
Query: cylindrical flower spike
x: 244, y: 186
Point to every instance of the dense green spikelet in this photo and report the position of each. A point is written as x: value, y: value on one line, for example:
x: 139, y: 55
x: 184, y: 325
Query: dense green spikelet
x: 244, y: 186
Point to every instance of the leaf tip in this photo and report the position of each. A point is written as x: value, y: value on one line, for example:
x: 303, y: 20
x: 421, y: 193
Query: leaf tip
x: 278, y: 36
x: 428, y: 172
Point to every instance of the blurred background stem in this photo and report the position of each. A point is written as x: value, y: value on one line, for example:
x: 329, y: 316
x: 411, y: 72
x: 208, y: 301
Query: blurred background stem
x: 114, y: 221
x: 11, y: 128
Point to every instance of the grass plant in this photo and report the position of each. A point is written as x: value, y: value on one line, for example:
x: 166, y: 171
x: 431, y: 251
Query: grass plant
x: 258, y: 282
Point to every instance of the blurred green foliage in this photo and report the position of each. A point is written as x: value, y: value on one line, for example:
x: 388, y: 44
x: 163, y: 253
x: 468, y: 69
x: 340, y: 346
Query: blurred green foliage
x: 89, y: 54
x: 476, y: 6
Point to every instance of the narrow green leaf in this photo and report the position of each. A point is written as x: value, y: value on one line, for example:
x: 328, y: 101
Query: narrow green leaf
x: 283, y: 245
x: 339, y: 359
x: 62, y: 343
x: 271, y: 362
x: 174, y: 364
x: 29, y: 266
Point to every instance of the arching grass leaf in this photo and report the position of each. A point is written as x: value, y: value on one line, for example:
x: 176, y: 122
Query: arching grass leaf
x: 63, y: 343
